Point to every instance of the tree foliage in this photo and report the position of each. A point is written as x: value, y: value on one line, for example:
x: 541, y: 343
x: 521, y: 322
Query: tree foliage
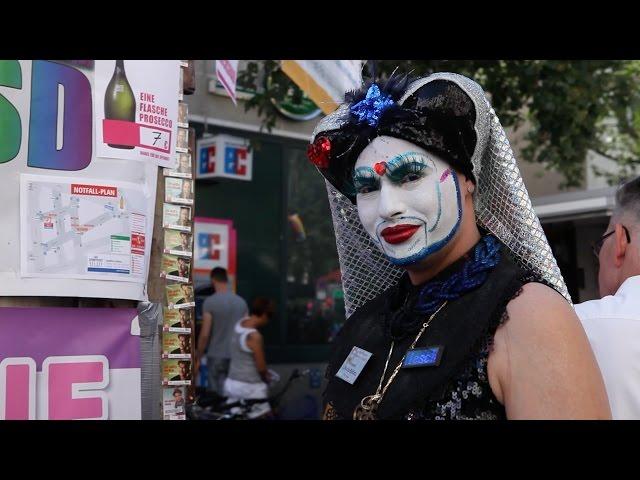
x: 569, y: 106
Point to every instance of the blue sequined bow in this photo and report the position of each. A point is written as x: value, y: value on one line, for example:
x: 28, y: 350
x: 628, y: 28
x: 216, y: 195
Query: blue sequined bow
x: 370, y: 109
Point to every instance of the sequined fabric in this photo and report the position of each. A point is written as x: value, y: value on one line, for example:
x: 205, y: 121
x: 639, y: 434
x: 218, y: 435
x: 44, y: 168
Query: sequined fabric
x: 370, y: 109
x: 501, y: 202
x: 470, y: 396
x: 330, y: 413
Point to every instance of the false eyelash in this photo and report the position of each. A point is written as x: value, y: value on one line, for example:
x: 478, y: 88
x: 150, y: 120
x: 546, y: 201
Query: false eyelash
x: 401, y: 166
x: 364, y: 177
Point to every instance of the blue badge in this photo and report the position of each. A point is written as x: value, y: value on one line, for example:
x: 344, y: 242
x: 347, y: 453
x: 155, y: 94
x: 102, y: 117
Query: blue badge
x: 423, y: 357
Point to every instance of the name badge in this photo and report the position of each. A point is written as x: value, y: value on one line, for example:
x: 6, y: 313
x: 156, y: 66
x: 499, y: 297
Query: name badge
x: 353, y: 365
x: 423, y: 357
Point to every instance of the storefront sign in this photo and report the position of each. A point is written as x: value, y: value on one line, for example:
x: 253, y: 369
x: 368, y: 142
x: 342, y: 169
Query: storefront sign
x: 224, y: 156
x: 215, y: 246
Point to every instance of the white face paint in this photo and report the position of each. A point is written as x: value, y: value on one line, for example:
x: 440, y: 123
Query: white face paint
x: 410, y: 204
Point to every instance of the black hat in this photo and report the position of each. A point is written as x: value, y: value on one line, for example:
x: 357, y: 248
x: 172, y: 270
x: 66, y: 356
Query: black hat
x: 438, y: 116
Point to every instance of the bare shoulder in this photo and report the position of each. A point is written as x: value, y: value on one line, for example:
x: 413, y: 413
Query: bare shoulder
x: 540, y: 320
x: 543, y: 366
x: 541, y: 311
x: 254, y: 338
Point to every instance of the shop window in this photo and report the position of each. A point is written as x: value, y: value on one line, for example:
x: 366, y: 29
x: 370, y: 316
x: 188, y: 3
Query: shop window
x: 315, y: 301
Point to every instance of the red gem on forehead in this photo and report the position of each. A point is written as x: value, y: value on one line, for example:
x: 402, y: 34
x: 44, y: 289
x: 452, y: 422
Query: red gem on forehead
x: 380, y: 168
x: 318, y: 152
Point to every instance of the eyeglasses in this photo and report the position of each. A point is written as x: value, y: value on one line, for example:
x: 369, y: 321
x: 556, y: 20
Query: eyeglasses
x: 597, y: 246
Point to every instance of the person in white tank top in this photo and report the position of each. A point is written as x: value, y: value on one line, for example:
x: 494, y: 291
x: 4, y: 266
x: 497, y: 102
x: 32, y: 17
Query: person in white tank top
x: 248, y: 376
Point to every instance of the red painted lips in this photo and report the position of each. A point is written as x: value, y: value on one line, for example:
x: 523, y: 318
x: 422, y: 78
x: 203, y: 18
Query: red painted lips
x: 399, y: 233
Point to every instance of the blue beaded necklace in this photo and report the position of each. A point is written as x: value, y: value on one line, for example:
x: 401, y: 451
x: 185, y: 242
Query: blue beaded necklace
x: 486, y: 255
x: 474, y: 272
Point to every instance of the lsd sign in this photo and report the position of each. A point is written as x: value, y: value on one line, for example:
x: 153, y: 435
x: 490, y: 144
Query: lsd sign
x: 58, y: 186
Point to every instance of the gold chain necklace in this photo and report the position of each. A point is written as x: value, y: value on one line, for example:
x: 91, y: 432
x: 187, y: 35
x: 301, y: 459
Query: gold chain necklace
x: 368, y: 407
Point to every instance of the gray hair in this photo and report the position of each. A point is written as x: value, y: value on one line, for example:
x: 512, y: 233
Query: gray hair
x: 628, y: 201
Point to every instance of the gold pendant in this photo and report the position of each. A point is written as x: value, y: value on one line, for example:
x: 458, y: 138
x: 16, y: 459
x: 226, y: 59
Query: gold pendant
x: 367, y: 408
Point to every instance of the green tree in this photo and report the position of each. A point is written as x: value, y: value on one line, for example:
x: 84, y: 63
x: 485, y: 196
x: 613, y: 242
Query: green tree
x: 572, y: 106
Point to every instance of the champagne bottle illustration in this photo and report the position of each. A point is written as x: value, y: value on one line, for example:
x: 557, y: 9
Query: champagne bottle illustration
x: 119, y: 100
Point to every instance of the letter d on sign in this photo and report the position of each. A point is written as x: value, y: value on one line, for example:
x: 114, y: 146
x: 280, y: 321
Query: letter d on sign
x: 77, y: 140
x: 71, y: 383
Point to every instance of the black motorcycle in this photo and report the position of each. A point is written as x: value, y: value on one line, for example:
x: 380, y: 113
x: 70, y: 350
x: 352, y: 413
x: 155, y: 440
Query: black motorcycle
x: 211, y: 406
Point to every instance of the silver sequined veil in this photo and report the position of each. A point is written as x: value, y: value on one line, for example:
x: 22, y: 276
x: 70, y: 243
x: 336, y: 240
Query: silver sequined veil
x: 501, y: 202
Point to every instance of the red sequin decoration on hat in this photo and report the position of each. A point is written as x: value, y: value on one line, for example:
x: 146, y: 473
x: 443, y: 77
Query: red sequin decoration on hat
x: 318, y: 152
x: 380, y: 168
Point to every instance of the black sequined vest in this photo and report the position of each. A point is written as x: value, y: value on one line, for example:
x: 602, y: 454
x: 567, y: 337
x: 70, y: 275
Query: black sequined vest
x: 456, y: 389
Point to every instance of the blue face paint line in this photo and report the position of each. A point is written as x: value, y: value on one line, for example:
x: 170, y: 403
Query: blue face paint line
x: 414, y: 244
x: 439, y: 207
x: 400, y: 262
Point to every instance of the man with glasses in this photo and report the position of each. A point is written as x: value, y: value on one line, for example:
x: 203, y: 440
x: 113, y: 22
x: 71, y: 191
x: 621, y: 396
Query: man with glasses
x: 613, y: 322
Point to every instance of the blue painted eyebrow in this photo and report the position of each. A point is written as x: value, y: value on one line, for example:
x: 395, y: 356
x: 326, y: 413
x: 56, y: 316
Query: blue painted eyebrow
x: 365, y: 177
x: 364, y: 174
x: 395, y: 162
x: 409, y: 162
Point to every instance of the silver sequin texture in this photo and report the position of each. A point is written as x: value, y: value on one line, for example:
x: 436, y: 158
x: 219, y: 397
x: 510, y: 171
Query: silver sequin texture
x: 469, y: 397
x: 501, y: 202
x: 333, y: 121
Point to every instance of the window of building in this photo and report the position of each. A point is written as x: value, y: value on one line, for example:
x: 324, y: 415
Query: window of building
x: 315, y: 301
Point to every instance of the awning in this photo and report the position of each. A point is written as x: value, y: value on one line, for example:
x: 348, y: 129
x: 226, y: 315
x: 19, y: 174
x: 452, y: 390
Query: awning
x: 325, y: 81
x: 572, y: 205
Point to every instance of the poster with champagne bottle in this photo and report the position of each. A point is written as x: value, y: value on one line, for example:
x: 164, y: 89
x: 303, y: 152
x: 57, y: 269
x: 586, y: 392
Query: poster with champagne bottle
x: 136, y: 110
